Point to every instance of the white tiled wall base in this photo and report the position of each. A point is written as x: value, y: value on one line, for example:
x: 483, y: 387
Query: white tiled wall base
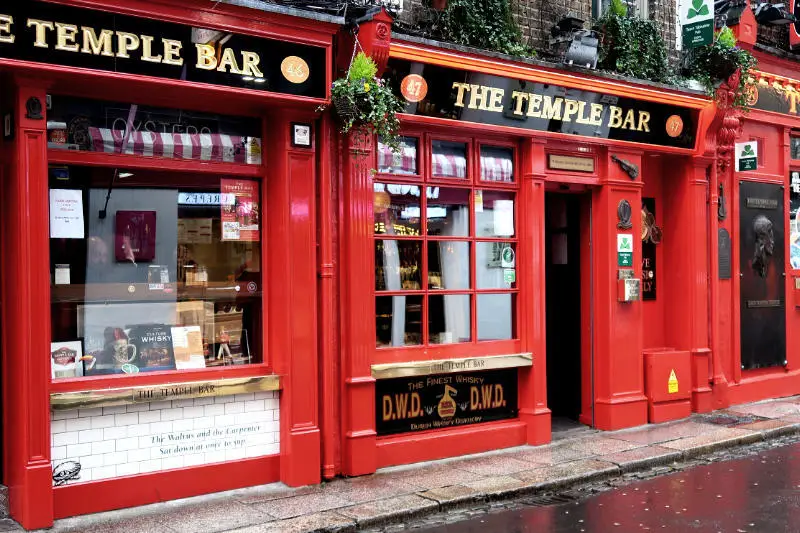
x: 134, y: 439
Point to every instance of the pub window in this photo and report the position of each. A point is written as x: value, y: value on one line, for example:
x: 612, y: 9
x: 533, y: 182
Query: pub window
x: 445, y: 251
x: 115, y: 128
x: 795, y: 147
x: 153, y: 271
x: 402, y: 161
x: 794, y: 224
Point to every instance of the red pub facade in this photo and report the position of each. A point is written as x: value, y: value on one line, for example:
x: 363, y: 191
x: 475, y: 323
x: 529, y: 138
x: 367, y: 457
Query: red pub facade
x: 239, y: 294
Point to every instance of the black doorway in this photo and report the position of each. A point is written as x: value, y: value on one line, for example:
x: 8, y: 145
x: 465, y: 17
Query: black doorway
x: 563, y: 312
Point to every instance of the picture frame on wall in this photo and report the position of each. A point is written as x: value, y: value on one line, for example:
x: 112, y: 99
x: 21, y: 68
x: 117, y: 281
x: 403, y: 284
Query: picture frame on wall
x: 135, y: 236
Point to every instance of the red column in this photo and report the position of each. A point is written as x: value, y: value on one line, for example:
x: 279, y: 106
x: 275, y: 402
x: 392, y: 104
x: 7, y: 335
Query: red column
x: 26, y: 319
x: 618, y: 367
x: 687, y: 262
x: 358, y: 307
x: 290, y: 256
x: 533, y: 382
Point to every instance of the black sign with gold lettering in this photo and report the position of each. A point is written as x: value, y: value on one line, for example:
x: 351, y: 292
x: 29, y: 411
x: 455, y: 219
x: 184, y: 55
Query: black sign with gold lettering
x: 773, y: 97
x: 444, y: 400
x: 432, y: 90
x: 38, y: 31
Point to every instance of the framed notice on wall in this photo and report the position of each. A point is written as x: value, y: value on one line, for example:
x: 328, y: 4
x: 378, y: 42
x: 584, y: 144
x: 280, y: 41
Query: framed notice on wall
x: 240, y: 210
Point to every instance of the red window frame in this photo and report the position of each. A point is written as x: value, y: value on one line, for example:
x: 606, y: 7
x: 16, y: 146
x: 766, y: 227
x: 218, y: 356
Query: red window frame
x: 423, y: 179
x: 249, y: 171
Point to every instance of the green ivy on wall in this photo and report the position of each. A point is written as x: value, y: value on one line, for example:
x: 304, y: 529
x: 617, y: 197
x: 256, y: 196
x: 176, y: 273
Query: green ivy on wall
x: 487, y: 24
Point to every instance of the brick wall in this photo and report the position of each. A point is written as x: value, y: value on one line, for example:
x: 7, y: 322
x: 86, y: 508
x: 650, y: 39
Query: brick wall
x: 118, y: 441
x: 536, y: 17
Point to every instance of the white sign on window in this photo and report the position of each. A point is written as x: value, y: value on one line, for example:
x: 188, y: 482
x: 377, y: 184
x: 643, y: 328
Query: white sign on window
x: 66, y: 214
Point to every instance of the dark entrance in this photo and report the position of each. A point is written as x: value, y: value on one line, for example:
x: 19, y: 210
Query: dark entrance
x: 761, y: 252
x: 563, y: 313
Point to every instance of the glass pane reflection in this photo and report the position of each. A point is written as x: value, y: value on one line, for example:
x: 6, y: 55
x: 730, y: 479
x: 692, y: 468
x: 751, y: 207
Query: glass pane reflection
x: 495, y: 265
x: 495, y: 317
x: 449, y: 319
x: 497, y: 164
x: 449, y: 159
x: 402, y: 162
x: 494, y: 213
x: 396, y: 209
x: 448, y: 211
x: 448, y: 265
x: 398, y: 265
x: 398, y: 320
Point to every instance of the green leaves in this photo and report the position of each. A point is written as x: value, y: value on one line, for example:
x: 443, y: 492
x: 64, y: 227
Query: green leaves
x: 698, y: 8
x: 487, y: 24
x: 633, y: 47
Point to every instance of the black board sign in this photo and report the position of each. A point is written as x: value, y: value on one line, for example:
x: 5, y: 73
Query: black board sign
x: 649, y: 276
x: 432, y: 90
x: 763, y: 281
x: 724, y: 245
x: 774, y: 98
x: 38, y: 31
x: 437, y: 401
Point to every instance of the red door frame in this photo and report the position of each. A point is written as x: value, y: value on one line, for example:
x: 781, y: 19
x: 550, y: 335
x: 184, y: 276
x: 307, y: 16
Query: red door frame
x: 289, y: 194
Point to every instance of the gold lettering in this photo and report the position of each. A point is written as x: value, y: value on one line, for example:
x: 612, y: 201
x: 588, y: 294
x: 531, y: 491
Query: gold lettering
x: 228, y: 62
x: 5, y: 27
x: 478, y: 97
x: 206, y: 57
x: 551, y: 109
x: 570, y: 109
x: 126, y: 42
x: 250, y: 61
x: 65, y: 37
x: 172, y: 52
x: 496, y: 100
x: 583, y: 117
x: 793, y: 97
x: 460, y: 95
x: 597, y: 115
x: 41, y: 32
x: 535, y: 104
x: 147, y: 50
x: 629, y: 121
x: 519, y: 98
x: 387, y: 408
x: 644, y: 121
x: 615, y: 119
x: 99, y: 46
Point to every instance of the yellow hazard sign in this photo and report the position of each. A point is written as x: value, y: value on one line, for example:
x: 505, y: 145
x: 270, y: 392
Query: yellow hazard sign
x: 672, y: 383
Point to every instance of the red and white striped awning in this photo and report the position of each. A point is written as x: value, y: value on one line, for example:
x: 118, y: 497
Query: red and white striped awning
x: 193, y: 146
x: 450, y: 165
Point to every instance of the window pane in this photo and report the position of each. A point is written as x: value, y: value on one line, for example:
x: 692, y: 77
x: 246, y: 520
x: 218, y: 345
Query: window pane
x: 398, y: 265
x: 448, y: 211
x: 448, y: 265
x: 497, y: 164
x: 402, y: 162
x: 99, y: 126
x: 794, y: 224
x: 398, y: 320
x: 396, y: 209
x: 449, y: 159
x: 795, y: 147
x: 494, y: 213
x: 449, y: 318
x: 496, y: 317
x: 495, y: 265
x: 168, y: 279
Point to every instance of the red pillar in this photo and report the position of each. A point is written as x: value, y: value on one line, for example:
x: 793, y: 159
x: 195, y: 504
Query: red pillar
x: 290, y: 257
x: 359, y: 454
x: 26, y: 318
x: 533, y: 382
x: 618, y: 359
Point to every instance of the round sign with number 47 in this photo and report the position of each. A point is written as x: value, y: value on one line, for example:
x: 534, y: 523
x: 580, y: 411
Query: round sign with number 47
x: 414, y: 88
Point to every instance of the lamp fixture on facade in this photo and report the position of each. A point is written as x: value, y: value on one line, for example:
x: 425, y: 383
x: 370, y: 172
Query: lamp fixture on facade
x: 576, y: 45
x: 774, y: 14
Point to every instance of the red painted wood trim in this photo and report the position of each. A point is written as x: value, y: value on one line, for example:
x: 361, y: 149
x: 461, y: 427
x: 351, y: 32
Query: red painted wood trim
x: 439, y: 444
x: 143, y: 489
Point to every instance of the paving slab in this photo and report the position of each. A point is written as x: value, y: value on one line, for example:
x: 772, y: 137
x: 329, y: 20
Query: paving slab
x: 657, y: 433
x: 721, y: 438
x: 641, y: 457
x: 493, y: 466
x: 774, y: 427
x: 212, y: 518
x: 496, y: 485
x: 381, y: 511
x: 368, y: 488
x: 273, y: 491
x: 82, y: 524
x: 452, y: 495
x: 596, y: 445
x: 768, y: 409
x: 551, y: 454
x: 430, y: 477
x: 300, y: 505
x: 560, y: 474
x: 328, y: 521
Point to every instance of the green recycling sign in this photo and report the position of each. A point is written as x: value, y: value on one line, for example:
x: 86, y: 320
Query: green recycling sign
x: 697, y: 21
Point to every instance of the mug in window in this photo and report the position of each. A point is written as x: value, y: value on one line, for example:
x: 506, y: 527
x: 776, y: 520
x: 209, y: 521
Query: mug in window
x: 123, y: 351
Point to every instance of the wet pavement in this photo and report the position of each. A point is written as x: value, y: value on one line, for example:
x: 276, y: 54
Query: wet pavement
x: 760, y: 493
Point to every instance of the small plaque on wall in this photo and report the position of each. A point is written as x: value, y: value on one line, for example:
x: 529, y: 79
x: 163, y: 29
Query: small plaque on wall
x: 569, y: 162
x: 724, y: 244
x: 301, y: 135
x: 444, y: 400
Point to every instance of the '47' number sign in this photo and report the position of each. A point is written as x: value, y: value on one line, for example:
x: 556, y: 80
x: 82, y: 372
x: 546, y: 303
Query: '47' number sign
x: 414, y: 88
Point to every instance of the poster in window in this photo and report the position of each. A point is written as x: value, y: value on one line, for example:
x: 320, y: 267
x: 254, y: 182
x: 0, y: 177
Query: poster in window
x: 153, y: 347
x: 66, y: 214
x: 135, y: 236
x: 240, y: 210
